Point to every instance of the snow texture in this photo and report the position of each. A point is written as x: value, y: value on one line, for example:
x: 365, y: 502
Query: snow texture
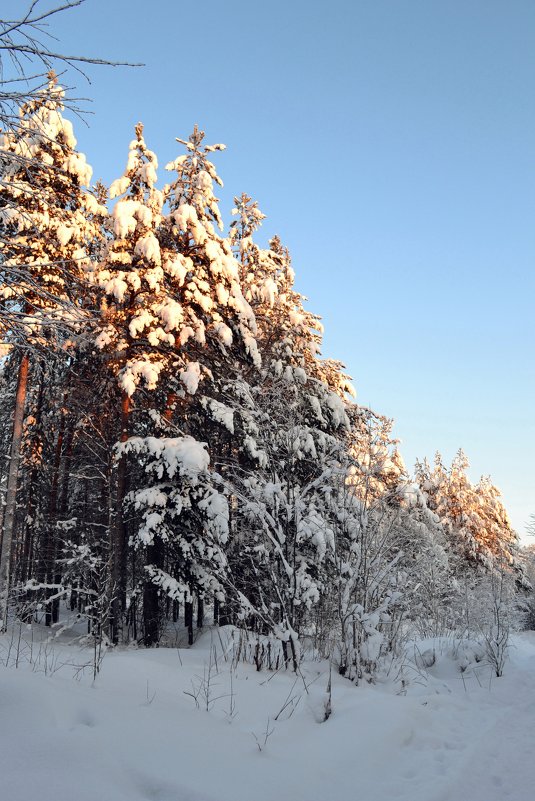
x: 136, y: 735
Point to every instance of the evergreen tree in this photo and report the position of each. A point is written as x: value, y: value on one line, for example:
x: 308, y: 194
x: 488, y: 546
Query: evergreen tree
x: 47, y: 230
x: 474, y: 519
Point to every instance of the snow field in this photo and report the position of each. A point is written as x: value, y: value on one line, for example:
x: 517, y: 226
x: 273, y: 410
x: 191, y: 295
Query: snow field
x: 135, y: 734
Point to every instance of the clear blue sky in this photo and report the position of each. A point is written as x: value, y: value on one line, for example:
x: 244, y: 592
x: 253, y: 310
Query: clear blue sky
x: 392, y: 146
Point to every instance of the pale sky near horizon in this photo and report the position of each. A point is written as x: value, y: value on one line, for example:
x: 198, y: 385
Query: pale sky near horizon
x: 392, y: 146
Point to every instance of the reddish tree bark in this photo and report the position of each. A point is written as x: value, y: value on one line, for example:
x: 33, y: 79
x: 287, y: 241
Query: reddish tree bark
x: 11, y: 494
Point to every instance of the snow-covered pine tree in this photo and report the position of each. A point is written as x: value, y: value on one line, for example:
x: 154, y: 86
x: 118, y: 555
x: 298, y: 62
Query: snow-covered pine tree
x: 295, y: 424
x: 285, y: 328
x: 215, y: 308
x: 389, y: 552
x: 176, y: 320
x: 217, y: 335
x: 139, y: 322
x: 475, y: 521
x: 353, y: 499
x: 45, y: 220
x: 47, y: 231
x: 183, y: 525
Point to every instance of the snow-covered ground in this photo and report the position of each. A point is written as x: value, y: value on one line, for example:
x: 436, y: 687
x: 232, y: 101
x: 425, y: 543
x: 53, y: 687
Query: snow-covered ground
x: 134, y: 733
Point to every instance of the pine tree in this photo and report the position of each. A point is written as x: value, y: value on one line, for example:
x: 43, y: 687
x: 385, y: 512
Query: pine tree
x: 474, y: 519
x: 294, y: 424
x: 46, y: 237
x: 174, y: 313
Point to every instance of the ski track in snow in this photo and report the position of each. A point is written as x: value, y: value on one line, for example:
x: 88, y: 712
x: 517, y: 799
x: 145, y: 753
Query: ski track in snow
x: 136, y: 736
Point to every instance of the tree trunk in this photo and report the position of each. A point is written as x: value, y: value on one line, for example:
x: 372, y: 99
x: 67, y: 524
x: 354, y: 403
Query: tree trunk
x: 52, y: 607
x: 151, y: 596
x: 170, y: 405
x: 11, y: 494
x: 119, y: 566
x: 188, y: 620
x: 67, y: 462
x: 200, y: 612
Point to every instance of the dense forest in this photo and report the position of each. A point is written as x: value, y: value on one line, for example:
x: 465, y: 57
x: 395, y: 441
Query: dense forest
x: 177, y: 449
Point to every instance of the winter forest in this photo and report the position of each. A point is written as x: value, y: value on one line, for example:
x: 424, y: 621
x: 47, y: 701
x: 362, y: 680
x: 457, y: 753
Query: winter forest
x: 179, y: 450
x: 179, y: 457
